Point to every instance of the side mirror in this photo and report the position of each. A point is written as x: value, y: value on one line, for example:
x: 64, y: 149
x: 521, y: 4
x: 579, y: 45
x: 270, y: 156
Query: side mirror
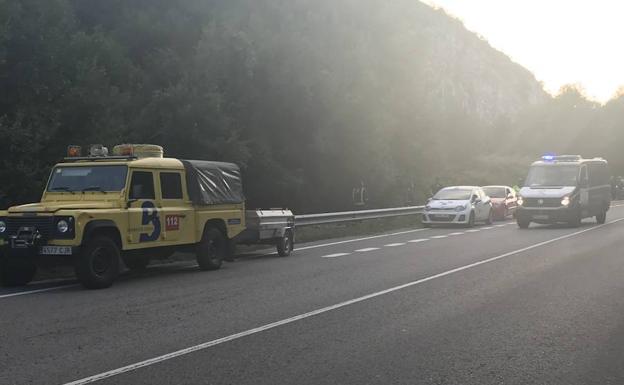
x: 475, y: 199
x: 130, y: 202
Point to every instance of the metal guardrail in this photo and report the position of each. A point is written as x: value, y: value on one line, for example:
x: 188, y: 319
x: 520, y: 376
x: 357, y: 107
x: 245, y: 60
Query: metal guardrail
x: 352, y: 216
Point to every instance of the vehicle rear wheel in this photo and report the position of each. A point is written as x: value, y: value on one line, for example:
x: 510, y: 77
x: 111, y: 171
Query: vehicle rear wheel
x: 16, y: 272
x: 211, y: 250
x: 523, y: 223
x: 285, y: 245
x: 136, y: 262
x: 97, y: 266
x: 602, y: 217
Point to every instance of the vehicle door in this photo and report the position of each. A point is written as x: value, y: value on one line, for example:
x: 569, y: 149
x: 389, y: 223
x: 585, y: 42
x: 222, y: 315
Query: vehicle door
x: 485, y: 203
x: 178, y: 215
x: 145, y: 226
x: 584, y: 189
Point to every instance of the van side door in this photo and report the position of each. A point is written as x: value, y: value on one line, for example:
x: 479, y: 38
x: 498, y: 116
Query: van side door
x: 584, y: 190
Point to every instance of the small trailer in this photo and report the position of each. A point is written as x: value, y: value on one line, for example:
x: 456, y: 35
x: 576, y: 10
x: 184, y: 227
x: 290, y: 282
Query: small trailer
x: 271, y: 227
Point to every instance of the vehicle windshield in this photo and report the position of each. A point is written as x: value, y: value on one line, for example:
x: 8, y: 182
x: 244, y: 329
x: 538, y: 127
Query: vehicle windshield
x: 552, y: 176
x: 88, y: 178
x: 495, y: 192
x: 453, y: 194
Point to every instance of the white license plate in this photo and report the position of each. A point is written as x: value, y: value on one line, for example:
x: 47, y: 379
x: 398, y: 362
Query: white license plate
x: 55, y: 250
x: 540, y: 216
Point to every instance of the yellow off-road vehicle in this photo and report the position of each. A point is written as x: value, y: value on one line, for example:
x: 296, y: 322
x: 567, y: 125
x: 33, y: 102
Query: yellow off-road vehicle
x: 99, y: 210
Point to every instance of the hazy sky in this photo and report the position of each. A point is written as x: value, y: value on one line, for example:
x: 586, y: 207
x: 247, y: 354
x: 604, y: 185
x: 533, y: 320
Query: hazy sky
x: 561, y: 42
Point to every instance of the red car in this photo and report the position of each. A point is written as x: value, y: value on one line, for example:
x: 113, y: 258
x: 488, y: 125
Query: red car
x: 504, y: 201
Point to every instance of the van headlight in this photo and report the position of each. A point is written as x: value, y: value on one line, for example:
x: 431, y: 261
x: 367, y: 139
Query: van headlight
x: 3, y: 226
x: 520, y: 201
x: 565, y: 201
x: 460, y: 208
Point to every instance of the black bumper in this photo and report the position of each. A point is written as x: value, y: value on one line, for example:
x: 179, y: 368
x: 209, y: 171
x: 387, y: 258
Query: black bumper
x: 545, y: 216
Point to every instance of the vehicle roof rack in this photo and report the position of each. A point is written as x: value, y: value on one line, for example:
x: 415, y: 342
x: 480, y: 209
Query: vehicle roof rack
x: 99, y: 158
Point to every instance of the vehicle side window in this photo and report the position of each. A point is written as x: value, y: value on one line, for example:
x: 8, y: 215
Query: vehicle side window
x: 142, y: 185
x: 598, y: 175
x: 171, y: 185
x: 583, y: 175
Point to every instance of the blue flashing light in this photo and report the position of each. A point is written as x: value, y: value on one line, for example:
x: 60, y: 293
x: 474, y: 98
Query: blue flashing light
x: 549, y: 157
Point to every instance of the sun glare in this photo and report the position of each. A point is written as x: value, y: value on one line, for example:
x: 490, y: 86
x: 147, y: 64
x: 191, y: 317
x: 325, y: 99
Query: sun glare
x: 561, y: 42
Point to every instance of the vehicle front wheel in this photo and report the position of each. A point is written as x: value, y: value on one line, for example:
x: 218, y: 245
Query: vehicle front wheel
x: 576, y: 220
x: 97, y: 266
x: 471, y: 219
x: 16, y: 272
x: 285, y: 245
x: 523, y: 223
x: 602, y: 217
x: 211, y: 250
x: 489, y: 219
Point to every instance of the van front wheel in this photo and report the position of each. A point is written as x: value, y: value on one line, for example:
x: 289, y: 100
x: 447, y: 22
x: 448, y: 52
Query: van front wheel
x: 602, y: 217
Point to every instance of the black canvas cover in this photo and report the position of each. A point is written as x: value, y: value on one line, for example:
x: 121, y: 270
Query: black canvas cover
x: 213, y: 183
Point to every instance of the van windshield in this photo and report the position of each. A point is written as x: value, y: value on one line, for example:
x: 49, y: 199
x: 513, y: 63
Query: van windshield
x: 555, y: 175
x: 88, y: 178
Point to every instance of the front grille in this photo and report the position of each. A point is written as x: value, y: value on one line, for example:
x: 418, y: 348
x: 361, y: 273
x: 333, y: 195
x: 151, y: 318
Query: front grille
x: 441, y: 218
x: 545, y: 202
x: 45, y: 225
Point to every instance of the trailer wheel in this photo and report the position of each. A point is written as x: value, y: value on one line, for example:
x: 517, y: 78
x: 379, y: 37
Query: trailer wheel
x: 211, y: 250
x: 15, y: 272
x: 285, y: 245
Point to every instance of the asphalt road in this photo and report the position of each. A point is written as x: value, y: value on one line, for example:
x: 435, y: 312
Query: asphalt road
x: 494, y: 305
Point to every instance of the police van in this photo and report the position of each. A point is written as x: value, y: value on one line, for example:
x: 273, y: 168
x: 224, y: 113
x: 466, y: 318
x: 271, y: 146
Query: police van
x: 564, y: 189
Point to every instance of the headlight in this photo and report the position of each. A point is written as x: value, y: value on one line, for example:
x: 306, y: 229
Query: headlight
x: 3, y: 227
x: 520, y: 201
x: 62, y: 226
x: 565, y: 201
x: 460, y: 208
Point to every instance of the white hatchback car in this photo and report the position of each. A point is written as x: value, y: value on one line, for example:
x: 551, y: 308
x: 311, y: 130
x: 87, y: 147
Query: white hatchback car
x: 462, y: 205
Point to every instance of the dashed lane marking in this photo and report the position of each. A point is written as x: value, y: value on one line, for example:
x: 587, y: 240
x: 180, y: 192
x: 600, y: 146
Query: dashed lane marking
x: 418, y: 240
x: 487, y: 228
x: 473, y: 231
x: 335, y: 255
x: 439, y: 236
x: 367, y: 249
x: 299, y: 317
x: 456, y: 234
x: 394, y: 244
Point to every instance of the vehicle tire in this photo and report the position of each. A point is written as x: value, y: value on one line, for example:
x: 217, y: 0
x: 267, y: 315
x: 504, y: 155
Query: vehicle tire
x: 523, y: 223
x: 576, y: 221
x: 602, y: 217
x: 97, y: 266
x: 286, y: 244
x: 211, y: 250
x: 489, y: 219
x: 136, y: 262
x: 471, y: 220
x: 15, y: 272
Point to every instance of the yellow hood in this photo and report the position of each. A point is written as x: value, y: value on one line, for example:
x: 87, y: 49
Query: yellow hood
x: 51, y: 207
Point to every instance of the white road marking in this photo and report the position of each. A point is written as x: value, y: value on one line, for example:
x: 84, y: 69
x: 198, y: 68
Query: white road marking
x: 486, y: 228
x: 356, y: 240
x: 473, y: 231
x: 500, y: 225
x: 205, y: 345
x: 456, y: 234
x: 336, y: 255
x: 394, y: 244
x: 367, y: 249
x: 418, y: 240
x: 38, y: 290
x: 439, y: 236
